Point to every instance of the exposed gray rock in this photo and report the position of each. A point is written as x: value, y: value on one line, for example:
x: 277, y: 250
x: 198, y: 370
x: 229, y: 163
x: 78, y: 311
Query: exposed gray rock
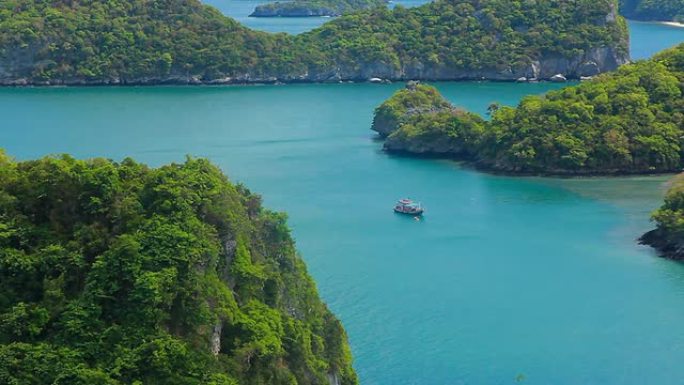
x: 333, y: 379
x: 558, y: 78
x: 216, y: 339
x: 589, y: 68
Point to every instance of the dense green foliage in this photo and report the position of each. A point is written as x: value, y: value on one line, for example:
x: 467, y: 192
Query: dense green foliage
x: 668, y: 237
x: 131, y: 41
x: 473, y: 34
x: 414, y: 99
x: 629, y: 121
x: 116, y: 273
x: 664, y: 10
x: 300, y: 8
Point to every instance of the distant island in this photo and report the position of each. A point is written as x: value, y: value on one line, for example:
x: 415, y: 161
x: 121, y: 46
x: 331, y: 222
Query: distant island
x: 118, y: 273
x: 119, y: 42
x: 630, y: 121
x: 653, y: 10
x: 668, y: 237
x: 312, y: 8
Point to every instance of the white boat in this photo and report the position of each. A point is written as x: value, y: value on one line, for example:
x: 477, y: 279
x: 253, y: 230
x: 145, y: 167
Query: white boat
x: 407, y: 206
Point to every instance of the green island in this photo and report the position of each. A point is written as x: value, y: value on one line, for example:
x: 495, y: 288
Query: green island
x: 627, y: 122
x: 653, y: 10
x: 118, y: 273
x: 100, y: 42
x: 668, y: 236
x: 309, y: 8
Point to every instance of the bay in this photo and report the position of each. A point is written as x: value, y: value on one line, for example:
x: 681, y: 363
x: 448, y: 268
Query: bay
x: 505, y: 278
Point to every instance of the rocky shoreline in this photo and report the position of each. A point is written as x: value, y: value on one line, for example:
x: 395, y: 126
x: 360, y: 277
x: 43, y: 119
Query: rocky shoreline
x: 223, y: 82
x: 658, y: 240
x: 591, y: 63
x: 487, y: 167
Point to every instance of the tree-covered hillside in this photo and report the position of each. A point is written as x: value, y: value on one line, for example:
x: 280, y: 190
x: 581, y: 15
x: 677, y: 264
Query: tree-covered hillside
x: 183, y: 41
x: 668, y: 237
x: 629, y: 121
x: 663, y: 10
x: 117, y: 273
x: 307, y: 8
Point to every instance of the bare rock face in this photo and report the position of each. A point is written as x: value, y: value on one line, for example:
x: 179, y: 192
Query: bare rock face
x: 216, y: 339
x: 664, y: 244
x: 558, y: 78
x: 333, y: 379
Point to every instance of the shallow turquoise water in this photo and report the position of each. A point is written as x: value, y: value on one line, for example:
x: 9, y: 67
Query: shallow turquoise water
x: 240, y: 10
x: 504, y: 277
x: 645, y: 38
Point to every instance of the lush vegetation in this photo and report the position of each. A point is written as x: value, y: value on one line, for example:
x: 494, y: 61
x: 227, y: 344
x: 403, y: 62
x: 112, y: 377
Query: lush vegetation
x: 116, y: 273
x: 664, y: 10
x: 629, y: 121
x: 138, y: 41
x: 668, y: 237
x: 300, y: 8
x: 414, y: 99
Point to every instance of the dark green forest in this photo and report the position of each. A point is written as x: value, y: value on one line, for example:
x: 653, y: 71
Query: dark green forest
x: 628, y: 121
x: 118, y: 273
x: 137, y: 41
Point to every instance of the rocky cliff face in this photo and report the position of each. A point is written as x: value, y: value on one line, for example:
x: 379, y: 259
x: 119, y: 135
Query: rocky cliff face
x: 323, y: 55
x: 664, y: 244
x: 592, y: 62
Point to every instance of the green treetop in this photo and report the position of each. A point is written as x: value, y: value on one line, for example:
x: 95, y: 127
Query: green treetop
x: 117, y: 273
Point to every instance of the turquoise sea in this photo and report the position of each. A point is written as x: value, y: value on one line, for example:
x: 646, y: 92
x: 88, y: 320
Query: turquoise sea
x: 505, y: 281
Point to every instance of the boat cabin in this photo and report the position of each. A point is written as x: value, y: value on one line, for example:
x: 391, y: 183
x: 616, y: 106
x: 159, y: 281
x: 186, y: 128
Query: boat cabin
x: 407, y: 206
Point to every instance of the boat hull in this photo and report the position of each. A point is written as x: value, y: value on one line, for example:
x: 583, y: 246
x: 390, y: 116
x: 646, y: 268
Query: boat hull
x: 413, y: 213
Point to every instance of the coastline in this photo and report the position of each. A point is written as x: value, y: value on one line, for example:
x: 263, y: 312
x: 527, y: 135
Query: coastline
x: 662, y: 245
x: 487, y: 167
x: 672, y: 24
x: 195, y: 82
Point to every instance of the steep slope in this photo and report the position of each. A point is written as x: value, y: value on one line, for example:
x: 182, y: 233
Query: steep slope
x: 628, y: 121
x: 116, y: 273
x: 183, y: 41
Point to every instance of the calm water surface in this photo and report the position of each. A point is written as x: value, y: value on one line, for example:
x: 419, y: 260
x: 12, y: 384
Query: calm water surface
x: 504, y: 277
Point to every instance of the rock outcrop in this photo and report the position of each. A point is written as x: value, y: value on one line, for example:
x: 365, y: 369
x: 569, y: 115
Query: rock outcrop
x: 668, y: 236
x: 664, y: 244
